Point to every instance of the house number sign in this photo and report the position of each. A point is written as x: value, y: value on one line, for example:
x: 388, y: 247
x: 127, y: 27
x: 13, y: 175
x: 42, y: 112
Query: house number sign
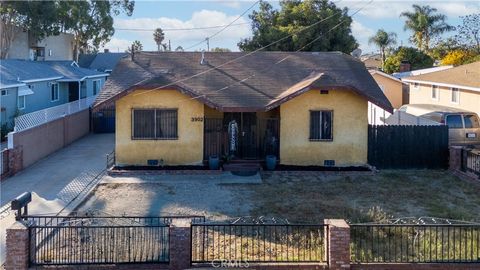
x: 197, y: 119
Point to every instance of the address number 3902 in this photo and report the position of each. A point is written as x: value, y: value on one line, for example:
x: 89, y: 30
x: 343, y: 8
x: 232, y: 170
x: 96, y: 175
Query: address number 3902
x: 197, y: 119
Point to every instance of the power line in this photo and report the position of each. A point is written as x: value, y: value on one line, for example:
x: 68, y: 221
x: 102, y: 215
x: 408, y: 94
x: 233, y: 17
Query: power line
x: 245, y: 55
x: 255, y: 51
x: 283, y: 59
x: 223, y: 29
x: 179, y: 29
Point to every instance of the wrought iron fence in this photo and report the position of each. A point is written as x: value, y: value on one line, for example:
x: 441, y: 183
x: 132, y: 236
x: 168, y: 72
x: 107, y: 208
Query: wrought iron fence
x: 111, y: 160
x: 37, y: 118
x: 4, y: 162
x: 398, y: 243
x: 58, y: 245
x: 87, y: 220
x: 62, y: 240
x: 471, y: 161
x: 258, y: 243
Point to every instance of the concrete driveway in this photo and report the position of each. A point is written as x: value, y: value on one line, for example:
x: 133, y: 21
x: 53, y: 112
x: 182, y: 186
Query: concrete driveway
x: 57, y: 179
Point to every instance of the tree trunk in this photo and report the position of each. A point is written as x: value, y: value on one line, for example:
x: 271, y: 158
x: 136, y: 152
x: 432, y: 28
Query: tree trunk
x: 6, y: 38
x: 382, y: 49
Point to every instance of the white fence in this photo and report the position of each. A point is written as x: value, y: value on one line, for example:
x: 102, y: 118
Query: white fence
x: 37, y: 118
x: 403, y: 118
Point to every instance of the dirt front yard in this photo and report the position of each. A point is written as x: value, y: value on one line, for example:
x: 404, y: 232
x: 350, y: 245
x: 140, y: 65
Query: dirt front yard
x: 298, y: 197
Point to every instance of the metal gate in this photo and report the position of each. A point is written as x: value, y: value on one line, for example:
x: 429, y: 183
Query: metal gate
x: 104, y: 121
x: 257, y: 137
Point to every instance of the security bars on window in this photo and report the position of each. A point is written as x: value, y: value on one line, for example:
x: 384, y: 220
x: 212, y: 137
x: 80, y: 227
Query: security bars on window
x: 321, y: 125
x: 154, y: 124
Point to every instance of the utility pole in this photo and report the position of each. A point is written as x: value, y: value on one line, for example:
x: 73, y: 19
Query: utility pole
x: 169, y: 46
x: 208, y: 44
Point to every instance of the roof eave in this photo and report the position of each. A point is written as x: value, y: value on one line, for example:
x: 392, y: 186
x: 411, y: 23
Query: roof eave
x: 442, y: 84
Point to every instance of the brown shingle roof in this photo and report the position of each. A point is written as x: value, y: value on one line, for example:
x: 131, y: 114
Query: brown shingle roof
x: 267, y: 86
x: 466, y: 75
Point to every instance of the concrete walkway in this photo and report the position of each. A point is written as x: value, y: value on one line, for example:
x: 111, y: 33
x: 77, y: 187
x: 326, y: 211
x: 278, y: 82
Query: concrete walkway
x: 57, y: 179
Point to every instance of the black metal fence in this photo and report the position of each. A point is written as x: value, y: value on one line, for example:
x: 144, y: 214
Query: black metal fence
x: 471, y: 161
x: 258, y: 243
x: 59, y: 245
x: 111, y: 160
x: 83, y: 220
x: 4, y: 162
x: 67, y: 240
x: 415, y: 243
x: 405, y: 147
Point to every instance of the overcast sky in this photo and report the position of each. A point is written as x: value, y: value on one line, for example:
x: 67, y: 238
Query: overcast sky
x: 149, y: 15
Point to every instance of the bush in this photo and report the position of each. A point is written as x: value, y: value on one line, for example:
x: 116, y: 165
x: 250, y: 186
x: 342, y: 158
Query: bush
x: 416, y: 58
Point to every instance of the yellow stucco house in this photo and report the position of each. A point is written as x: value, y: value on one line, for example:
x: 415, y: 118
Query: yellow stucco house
x: 182, y: 107
x: 457, y: 87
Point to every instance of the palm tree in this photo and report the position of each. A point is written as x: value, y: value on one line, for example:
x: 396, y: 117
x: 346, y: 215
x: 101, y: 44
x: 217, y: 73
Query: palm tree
x: 158, y: 36
x: 425, y: 24
x: 382, y: 39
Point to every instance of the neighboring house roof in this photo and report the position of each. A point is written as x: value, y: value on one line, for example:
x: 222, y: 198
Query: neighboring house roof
x: 372, y: 61
x: 15, y: 72
x: 401, y: 75
x: 84, y: 60
x: 101, y: 61
x: 465, y: 76
x: 71, y: 72
x: 253, y: 82
x: 384, y: 75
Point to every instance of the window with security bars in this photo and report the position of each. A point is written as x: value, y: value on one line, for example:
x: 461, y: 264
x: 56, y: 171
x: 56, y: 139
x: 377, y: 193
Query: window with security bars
x: 154, y: 124
x: 321, y: 125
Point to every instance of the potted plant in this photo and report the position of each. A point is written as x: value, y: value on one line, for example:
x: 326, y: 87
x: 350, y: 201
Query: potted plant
x: 271, y: 162
x: 213, y: 162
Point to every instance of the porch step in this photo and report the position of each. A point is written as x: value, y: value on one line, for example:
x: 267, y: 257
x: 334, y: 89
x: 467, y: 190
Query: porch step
x: 242, y: 167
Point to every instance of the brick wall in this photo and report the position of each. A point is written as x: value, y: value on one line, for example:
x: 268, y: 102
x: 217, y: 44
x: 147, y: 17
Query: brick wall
x: 180, y: 241
x: 455, y: 161
x: 338, y: 244
x: 17, y: 247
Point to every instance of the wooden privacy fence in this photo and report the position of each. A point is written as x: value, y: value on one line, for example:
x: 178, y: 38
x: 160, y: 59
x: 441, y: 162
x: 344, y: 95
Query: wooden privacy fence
x: 405, y: 147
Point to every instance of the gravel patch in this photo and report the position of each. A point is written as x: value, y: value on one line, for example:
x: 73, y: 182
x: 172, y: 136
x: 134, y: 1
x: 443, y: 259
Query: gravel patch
x: 213, y: 196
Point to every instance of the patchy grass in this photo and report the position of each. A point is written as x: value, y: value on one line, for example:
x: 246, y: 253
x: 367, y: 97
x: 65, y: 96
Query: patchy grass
x: 360, y: 198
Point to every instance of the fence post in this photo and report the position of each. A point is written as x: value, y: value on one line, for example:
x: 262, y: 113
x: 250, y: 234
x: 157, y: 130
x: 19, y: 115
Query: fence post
x: 17, y: 247
x: 180, y: 241
x: 456, y: 158
x: 338, y: 244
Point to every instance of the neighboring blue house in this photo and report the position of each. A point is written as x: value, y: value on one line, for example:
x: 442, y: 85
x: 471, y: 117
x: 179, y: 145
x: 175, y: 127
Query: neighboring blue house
x: 28, y: 86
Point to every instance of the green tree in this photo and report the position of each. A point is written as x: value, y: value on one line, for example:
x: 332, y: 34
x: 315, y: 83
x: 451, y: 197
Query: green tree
x: 159, y: 36
x: 382, y: 40
x: 425, y: 24
x: 135, y: 47
x: 269, y: 25
x: 218, y: 49
x: 469, y: 31
x: 37, y: 17
x: 415, y: 57
x: 91, y: 22
x: 443, y: 47
x: 179, y: 49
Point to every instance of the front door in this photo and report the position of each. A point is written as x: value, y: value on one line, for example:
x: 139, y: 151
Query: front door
x: 247, y: 134
x: 72, y: 91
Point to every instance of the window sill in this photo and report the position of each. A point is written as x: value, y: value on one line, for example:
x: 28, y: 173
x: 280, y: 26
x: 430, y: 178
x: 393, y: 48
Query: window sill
x: 321, y: 140
x: 155, y: 139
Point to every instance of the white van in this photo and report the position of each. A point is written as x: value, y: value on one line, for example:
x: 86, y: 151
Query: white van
x: 463, y: 126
